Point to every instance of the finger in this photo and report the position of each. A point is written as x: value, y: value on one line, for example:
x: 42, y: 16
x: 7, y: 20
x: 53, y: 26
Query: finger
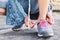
x: 50, y: 21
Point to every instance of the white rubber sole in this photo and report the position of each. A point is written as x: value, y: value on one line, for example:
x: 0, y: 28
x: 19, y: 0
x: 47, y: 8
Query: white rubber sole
x: 41, y: 35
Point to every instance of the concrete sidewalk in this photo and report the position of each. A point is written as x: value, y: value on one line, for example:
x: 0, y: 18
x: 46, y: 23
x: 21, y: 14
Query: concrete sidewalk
x: 7, y: 34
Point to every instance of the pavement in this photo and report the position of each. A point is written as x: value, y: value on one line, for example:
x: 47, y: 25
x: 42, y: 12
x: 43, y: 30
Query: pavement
x: 7, y: 34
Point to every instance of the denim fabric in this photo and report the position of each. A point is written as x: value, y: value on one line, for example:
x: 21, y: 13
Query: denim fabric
x: 17, y: 10
x: 15, y: 13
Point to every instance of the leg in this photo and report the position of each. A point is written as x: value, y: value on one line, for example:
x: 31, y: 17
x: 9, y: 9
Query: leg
x: 43, y: 26
x: 36, y: 10
x: 15, y: 13
x: 43, y: 8
x: 47, y: 9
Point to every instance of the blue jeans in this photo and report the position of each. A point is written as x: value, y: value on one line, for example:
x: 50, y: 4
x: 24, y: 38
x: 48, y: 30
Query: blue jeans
x: 17, y: 11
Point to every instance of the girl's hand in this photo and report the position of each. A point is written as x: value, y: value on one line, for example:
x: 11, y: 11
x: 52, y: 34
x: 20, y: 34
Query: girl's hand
x: 50, y: 19
x: 30, y: 22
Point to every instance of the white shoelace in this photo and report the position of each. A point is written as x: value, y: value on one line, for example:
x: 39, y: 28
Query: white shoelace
x: 29, y: 14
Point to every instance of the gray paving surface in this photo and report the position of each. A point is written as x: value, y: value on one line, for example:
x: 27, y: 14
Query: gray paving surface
x: 7, y: 34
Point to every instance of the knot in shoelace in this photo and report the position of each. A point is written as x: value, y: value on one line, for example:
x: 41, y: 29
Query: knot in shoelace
x: 43, y: 24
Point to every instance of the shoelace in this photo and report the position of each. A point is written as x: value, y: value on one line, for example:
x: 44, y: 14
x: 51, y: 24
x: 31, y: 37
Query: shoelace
x: 29, y: 14
x: 42, y: 23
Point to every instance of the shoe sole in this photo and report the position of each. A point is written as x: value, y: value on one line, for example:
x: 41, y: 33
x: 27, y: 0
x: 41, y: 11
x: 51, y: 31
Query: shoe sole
x: 48, y: 35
